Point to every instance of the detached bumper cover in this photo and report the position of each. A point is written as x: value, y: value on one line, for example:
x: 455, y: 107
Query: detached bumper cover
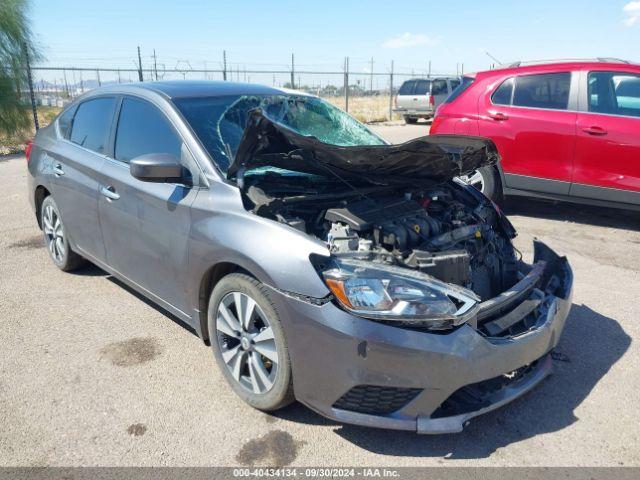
x: 358, y: 371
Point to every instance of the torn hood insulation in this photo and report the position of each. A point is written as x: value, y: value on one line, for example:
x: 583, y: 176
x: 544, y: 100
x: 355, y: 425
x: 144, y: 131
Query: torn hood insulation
x: 433, y: 158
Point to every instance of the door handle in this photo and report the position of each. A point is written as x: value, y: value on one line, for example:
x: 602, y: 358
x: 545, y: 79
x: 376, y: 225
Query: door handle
x: 594, y: 130
x: 110, y: 193
x: 57, y: 170
x: 498, y: 116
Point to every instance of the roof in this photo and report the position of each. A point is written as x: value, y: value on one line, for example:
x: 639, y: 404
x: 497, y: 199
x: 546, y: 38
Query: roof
x: 547, y: 65
x: 205, y: 88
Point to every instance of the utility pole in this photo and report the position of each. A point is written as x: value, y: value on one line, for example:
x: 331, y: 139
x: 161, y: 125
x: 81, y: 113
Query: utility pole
x: 429, y: 75
x: 371, y: 73
x: 34, y: 108
x: 140, y: 66
x: 293, y: 86
x: 155, y: 65
x: 98, y: 77
x: 224, y: 65
x: 346, y: 84
x: 119, y: 79
x: 391, y: 92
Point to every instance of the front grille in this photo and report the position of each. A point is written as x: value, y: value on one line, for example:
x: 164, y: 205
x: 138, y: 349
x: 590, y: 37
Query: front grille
x: 478, y: 395
x: 375, y: 400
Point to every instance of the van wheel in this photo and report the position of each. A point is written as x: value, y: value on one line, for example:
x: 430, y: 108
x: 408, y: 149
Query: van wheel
x: 487, y: 180
x: 410, y: 120
x: 56, y: 237
x: 248, y: 342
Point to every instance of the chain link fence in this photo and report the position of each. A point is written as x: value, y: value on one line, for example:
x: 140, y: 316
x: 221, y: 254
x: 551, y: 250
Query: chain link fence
x: 368, y: 96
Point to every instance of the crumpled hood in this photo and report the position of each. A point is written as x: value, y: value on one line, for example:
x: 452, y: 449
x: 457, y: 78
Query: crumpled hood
x: 433, y: 158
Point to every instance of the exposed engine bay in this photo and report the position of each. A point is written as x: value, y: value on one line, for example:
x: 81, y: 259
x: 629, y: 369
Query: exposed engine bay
x: 442, y: 231
x: 391, y: 204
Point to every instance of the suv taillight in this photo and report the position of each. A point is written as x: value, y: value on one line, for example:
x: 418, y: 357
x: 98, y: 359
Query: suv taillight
x: 27, y: 149
x: 431, y: 101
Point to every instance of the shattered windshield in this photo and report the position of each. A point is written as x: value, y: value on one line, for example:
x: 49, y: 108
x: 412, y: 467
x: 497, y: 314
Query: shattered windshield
x: 219, y: 122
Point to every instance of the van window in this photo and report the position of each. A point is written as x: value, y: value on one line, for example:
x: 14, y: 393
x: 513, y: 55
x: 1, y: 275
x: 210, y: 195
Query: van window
x: 439, y: 87
x: 549, y: 90
x: 92, y: 123
x: 454, y: 82
x: 143, y: 129
x: 502, y: 95
x: 614, y: 93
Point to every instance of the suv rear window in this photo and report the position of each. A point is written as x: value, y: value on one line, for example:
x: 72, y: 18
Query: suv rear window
x: 466, y: 83
x: 549, y: 90
x: 614, y: 93
x: 415, y: 87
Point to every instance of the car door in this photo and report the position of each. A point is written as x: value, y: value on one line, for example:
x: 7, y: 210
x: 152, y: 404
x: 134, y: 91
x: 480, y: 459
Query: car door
x: 146, y: 225
x: 77, y: 161
x: 607, y: 163
x: 532, y: 120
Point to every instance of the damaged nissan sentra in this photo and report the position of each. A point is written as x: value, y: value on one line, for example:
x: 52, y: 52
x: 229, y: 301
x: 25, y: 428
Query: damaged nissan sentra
x: 320, y: 263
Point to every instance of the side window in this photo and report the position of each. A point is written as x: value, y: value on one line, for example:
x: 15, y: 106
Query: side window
x: 407, y: 88
x: 422, y: 87
x: 92, y: 122
x: 438, y: 87
x: 143, y: 129
x: 550, y: 90
x: 614, y: 93
x: 502, y: 95
x: 455, y: 83
x: 65, y: 120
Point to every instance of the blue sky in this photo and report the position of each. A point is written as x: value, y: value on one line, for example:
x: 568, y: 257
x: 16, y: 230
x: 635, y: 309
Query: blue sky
x: 261, y: 34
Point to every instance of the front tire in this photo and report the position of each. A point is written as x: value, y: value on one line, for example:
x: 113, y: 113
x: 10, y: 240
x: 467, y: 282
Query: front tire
x: 248, y: 342
x: 56, y: 237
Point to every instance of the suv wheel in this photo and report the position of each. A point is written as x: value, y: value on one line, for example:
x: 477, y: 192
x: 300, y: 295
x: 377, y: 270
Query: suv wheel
x: 248, y: 342
x: 487, y: 180
x: 56, y: 237
x: 410, y: 120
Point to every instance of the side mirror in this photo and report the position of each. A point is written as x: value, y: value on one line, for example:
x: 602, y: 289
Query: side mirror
x: 156, y: 167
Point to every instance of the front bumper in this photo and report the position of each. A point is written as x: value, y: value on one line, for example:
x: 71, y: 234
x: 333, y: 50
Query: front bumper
x: 358, y: 371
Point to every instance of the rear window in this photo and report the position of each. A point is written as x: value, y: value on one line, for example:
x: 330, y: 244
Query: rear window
x: 550, y: 90
x: 415, y: 87
x: 466, y: 83
x: 92, y: 123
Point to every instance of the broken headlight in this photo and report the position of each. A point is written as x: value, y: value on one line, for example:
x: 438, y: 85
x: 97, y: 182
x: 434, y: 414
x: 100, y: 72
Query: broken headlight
x: 398, y: 296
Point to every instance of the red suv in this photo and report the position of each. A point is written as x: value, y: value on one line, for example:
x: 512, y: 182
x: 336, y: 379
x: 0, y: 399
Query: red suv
x: 565, y: 130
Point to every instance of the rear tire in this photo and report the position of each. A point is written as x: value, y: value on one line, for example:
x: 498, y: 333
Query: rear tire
x: 410, y: 120
x: 248, y: 342
x: 56, y: 237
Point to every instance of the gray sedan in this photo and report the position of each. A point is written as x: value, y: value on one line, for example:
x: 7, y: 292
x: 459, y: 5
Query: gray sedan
x: 319, y: 263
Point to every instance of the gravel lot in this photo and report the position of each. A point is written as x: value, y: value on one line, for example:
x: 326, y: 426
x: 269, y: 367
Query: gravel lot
x: 92, y: 374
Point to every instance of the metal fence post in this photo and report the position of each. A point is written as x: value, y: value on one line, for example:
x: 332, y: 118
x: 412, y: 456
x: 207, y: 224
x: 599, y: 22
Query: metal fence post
x: 140, y: 66
x: 391, y: 93
x: 346, y: 84
x: 224, y: 65
x: 293, y: 83
x: 34, y: 108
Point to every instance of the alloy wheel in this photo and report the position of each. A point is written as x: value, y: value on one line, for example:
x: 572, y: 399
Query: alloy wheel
x: 54, y: 233
x: 247, y: 342
x: 475, y: 179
